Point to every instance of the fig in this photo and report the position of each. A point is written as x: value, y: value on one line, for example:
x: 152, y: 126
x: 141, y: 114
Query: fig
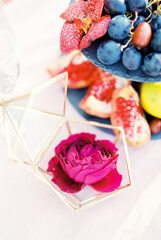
x: 155, y: 125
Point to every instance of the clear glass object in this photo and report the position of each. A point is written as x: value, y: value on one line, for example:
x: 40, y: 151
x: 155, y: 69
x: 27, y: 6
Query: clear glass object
x: 87, y: 196
x: 9, y: 66
x: 36, y: 127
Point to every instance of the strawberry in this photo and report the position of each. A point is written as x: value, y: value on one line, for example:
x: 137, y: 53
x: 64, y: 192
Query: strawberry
x: 81, y: 72
x: 127, y: 112
x: 97, y: 99
x: 94, y: 9
x: 82, y: 18
x: 96, y: 31
x: 76, y: 10
x: 70, y: 37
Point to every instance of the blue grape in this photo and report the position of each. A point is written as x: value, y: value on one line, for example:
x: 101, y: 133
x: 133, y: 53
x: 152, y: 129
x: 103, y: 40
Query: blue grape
x: 115, y: 7
x: 156, y: 22
x: 152, y: 64
x: 119, y: 27
x: 146, y: 12
x: 146, y: 50
x: 156, y: 41
x: 109, y: 52
x: 137, y: 5
x: 139, y: 20
x: 131, y: 58
x: 126, y: 40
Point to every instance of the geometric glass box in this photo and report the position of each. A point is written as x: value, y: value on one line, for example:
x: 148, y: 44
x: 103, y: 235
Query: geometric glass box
x: 35, y: 127
x: 88, y: 195
x: 31, y: 119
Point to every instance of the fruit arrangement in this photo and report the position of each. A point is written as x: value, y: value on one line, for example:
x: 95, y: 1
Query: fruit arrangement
x: 130, y: 32
x: 111, y: 97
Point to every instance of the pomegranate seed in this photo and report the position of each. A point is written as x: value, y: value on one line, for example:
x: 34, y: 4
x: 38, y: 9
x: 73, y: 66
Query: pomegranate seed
x: 127, y: 112
x: 103, y: 88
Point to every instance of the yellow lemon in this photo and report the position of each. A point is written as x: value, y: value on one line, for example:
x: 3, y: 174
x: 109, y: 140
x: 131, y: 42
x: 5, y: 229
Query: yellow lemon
x: 150, y: 96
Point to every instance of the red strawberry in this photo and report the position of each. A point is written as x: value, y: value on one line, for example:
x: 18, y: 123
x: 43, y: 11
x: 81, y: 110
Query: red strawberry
x: 127, y: 112
x: 94, y: 9
x: 81, y: 72
x: 97, y: 99
x: 82, y: 18
x: 70, y: 37
x: 76, y: 10
x: 96, y: 30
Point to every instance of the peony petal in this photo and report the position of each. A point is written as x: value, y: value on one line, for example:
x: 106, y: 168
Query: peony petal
x: 72, y: 155
x: 62, y: 159
x: 50, y: 165
x: 95, y: 172
x: 82, y: 174
x: 62, y: 149
x: 98, y: 156
x: 94, y: 9
x: 84, y: 137
x: 99, y: 175
x: 62, y: 180
x: 70, y: 37
x: 103, y: 162
x: 86, y: 150
x: 108, y: 146
x: 73, y: 171
x: 77, y: 10
x: 96, y: 30
x: 111, y: 182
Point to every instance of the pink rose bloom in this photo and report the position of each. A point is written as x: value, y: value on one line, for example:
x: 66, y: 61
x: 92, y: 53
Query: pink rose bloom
x: 81, y: 160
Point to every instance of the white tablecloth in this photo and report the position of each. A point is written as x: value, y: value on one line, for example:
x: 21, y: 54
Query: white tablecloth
x: 29, y: 210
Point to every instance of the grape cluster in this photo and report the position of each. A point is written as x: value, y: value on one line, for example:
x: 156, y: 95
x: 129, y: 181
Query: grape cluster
x: 133, y: 35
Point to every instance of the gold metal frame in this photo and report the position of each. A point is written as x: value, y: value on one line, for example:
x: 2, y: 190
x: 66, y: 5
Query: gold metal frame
x: 101, y: 196
x: 34, y: 163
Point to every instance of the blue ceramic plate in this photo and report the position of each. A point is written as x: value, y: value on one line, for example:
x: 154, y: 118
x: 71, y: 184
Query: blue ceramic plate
x: 116, y: 69
x: 75, y: 96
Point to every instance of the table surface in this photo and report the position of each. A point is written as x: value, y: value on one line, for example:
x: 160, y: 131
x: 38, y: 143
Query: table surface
x: 29, y: 210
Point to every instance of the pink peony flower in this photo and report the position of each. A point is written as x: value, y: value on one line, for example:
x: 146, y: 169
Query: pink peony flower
x: 80, y: 160
x: 83, y: 25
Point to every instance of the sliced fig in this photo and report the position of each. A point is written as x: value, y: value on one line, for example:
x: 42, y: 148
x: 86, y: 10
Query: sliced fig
x: 81, y: 72
x: 97, y: 101
x: 127, y: 112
